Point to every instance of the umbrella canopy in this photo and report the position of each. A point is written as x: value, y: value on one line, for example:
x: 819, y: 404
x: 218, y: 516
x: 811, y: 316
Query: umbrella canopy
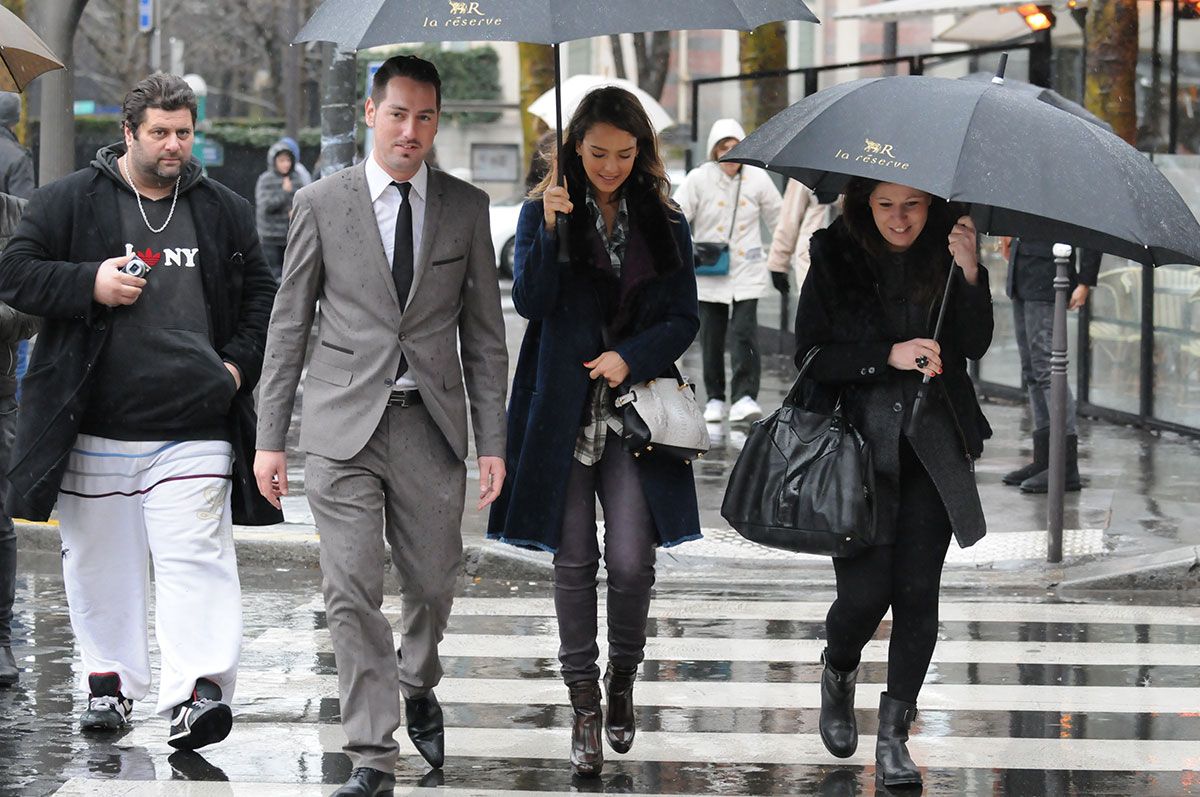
x: 1046, y: 95
x: 1027, y: 168
x: 23, y: 55
x: 576, y: 87
x: 357, y: 24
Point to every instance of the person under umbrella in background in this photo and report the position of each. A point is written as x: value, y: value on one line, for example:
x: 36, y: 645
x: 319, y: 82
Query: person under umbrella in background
x: 874, y: 287
x: 708, y: 196
x: 623, y: 310
x: 15, y: 327
x: 1030, y: 285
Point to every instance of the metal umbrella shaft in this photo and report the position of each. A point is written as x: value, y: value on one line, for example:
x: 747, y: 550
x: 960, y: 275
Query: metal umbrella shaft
x: 914, y: 416
x: 560, y: 219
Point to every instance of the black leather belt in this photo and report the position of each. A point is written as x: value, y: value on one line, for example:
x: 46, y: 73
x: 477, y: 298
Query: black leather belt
x: 405, y: 398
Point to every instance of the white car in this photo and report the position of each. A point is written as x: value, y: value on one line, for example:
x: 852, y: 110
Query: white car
x: 504, y: 214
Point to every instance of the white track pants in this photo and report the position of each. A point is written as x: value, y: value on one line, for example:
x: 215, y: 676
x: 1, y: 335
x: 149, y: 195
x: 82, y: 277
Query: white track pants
x: 124, y: 502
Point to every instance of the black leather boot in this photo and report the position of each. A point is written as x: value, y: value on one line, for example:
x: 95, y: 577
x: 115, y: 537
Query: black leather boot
x: 893, y: 765
x: 587, y: 750
x: 1040, y: 483
x: 1041, y: 459
x: 839, y: 731
x: 619, y: 725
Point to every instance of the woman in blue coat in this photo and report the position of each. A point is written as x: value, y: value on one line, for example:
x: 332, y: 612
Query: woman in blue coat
x: 622, y: 310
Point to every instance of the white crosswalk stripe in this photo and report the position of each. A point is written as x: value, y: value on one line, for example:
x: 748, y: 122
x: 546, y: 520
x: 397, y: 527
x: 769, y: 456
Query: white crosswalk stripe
x: 1091, y: 698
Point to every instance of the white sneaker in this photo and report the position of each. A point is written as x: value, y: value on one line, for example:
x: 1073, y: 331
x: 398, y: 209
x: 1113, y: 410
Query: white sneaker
x: 714, y: 410
x: 745, y: 409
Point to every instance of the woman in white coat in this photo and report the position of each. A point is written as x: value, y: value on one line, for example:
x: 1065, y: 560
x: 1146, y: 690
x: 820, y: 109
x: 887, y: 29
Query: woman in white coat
x: 708, y: 196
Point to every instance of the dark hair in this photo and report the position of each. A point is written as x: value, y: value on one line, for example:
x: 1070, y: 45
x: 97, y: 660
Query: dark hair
x: 621, y: 109
x: 161, y: 91
x: 409, y: 66
x: 929, y: 252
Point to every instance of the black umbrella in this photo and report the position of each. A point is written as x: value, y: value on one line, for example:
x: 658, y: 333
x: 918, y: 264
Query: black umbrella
x: 357, y: 24
x: 1027, y: 168
x: 1043, y: 94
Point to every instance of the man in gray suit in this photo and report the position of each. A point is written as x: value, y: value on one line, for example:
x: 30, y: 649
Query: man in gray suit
x: 385, y: 416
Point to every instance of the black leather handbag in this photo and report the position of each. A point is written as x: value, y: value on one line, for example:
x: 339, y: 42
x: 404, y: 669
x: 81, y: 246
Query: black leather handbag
x: 804, y: 481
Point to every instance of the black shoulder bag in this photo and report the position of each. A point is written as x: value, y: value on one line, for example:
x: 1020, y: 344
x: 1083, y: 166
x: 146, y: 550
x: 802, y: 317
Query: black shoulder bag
x: 804, y: 481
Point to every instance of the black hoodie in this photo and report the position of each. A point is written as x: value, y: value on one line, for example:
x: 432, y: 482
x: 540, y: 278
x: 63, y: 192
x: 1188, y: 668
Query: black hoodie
x: 159, y: 377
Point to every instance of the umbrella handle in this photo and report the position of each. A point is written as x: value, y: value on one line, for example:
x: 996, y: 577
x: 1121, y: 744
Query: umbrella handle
x: 560, y: 219
x: 914, y: 417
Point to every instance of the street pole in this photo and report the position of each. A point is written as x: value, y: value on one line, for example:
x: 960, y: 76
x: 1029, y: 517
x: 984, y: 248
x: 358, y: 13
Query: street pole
x: 1173, y: 100
x: 338, y: 112
x: 1057, y: 485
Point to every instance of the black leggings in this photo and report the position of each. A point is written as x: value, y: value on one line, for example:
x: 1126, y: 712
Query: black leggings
x: 905, y: 576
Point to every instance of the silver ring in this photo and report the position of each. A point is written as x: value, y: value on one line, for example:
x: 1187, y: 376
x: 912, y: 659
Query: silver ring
x: 922, y: 362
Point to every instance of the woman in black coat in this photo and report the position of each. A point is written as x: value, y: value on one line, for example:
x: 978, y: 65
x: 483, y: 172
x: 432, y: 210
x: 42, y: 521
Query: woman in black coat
x: 622, y: 310
x: 870, y: 302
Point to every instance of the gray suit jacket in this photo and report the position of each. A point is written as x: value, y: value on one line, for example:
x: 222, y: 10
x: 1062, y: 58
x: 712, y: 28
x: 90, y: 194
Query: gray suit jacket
x: 335, y: 257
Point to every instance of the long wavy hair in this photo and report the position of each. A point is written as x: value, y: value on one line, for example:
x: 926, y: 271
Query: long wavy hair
x: 929, y: 253
x: 621, y: 109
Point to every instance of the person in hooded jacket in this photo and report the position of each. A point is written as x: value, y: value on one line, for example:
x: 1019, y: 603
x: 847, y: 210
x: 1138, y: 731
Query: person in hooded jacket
x: 708, y: 196
x: 621, y: 311
x: 15, y: 327
x: 138, y: 416
x: 870, y: 302
x: 273, y: 195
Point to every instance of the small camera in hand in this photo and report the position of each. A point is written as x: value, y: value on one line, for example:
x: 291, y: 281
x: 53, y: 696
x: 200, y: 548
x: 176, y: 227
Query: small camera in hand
x: 136, y: 267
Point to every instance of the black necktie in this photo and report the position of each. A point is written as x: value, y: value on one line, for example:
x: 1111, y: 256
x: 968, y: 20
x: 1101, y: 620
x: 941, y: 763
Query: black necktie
x: 402, y: 255
x: 402, y: 250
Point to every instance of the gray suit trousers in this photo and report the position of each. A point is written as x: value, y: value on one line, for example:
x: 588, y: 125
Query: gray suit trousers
x: 406, y: 484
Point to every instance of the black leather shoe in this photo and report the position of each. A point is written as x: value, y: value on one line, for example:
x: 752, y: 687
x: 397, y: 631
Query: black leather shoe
x: 423, y: 716
x: 367, y: 782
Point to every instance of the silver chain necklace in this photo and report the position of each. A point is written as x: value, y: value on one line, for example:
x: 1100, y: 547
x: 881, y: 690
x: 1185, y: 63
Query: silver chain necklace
x: 138, y: 195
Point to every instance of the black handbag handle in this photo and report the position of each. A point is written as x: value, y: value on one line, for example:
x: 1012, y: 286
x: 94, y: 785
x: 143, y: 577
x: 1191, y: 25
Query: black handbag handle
x: 793, y: 397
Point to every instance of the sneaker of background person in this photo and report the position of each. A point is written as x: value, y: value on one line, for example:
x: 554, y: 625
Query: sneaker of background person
x: 745, y: 409
x: 714, y: 410
x: 108, y: 709
x: 202, y: 720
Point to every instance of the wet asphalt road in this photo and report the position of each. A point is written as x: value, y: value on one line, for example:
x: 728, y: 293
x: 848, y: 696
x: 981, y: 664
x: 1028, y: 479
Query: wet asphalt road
x: 1026, y: 696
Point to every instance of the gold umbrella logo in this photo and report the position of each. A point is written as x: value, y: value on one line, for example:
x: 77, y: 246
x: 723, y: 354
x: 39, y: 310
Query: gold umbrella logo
x: 464, y: 14
x: 875, y: 153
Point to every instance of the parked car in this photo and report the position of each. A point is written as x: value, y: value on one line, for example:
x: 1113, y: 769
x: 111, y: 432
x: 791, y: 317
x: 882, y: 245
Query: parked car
x: 504, y: 214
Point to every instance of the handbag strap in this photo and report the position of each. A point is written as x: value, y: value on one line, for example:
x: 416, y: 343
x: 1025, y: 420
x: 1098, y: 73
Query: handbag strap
x: 793, y: 396
x: 737, y: 197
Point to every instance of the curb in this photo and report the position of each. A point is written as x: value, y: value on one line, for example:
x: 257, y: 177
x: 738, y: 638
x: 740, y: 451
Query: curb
x: 297, y: 546
x: 1174, y: 569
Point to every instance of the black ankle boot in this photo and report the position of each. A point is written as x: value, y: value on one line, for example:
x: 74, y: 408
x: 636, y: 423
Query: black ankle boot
x: 1040, y: 482
x: 893, y: 765
x: 839, y: 731
x: 587, y: 751
x: 1041, y: 459
x: 619, y: 725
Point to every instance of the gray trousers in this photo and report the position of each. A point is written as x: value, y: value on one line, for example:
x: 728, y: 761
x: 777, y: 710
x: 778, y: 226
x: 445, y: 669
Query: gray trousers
x: 1033, y: 323
x: 629, y: 540
x: 406, y: 484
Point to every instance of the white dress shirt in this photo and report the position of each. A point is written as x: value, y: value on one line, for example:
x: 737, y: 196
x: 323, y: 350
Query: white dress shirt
x: 385, y: 200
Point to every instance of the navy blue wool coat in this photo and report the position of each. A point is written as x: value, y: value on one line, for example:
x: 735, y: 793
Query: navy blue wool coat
x: 550, y: 387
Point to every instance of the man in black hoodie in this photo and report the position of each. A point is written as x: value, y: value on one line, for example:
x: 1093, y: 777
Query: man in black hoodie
x: 137, y: 406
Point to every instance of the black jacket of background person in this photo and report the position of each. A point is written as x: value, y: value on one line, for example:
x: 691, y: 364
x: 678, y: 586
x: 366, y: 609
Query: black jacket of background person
x: 49, y: 268
x: 14, y: 326
x: 1031, y: 270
